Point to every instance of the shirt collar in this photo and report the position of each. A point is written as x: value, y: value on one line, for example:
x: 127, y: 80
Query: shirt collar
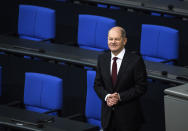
x: 120, y: 55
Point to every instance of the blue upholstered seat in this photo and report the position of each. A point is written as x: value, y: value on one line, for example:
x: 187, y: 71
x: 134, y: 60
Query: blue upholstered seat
x: 93, y: 31
x: 42, y: 92
x: 36, y: 23
x: 93, y: 103
x: 159, y: 43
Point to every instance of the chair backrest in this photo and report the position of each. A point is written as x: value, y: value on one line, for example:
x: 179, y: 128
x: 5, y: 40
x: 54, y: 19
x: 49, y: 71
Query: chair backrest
x: 36, y: 23
x: 93, y: 102
x: 110, y: 7
x: 42, y: 92
x: 93, y: 31
x: 159, y: 43
x: 164, y: 15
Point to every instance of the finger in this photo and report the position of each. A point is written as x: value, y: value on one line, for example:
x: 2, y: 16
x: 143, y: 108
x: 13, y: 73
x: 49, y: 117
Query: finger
x: 114, y: 99
x: 109, y: 104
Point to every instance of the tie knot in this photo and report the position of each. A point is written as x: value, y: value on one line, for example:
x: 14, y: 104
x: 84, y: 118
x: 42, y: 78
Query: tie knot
x: 115, y: 58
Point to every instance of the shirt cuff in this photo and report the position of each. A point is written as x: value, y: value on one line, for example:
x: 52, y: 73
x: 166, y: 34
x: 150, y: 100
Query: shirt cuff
x: 106, y: 97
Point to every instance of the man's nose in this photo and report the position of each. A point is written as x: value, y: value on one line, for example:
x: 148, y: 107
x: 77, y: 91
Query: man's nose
x: 113, y: 41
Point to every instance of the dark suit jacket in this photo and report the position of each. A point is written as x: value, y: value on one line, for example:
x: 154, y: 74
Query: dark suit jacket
x: 131, y: 84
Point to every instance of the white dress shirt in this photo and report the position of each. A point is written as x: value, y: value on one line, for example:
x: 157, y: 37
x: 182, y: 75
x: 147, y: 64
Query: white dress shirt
x: 118, y: 61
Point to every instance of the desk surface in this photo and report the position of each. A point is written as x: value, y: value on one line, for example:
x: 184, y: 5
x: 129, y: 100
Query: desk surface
x: 155, y: 70
x: 78, y: 56
x: 173, y: 7
x: 178, y: 91
x: 58, y: 52
x: 7, y: 114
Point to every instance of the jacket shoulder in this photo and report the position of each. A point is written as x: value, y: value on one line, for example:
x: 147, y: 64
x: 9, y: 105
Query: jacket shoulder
x: 104, y: 55
x: 133, y: 53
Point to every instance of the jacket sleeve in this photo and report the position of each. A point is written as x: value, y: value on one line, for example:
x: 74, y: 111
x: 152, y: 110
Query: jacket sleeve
x: 99, y: 84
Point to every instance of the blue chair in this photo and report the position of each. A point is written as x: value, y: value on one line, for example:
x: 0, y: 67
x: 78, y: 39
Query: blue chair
x: 93, y: 31
x: 93, y: 102
x: 110, y: 7
x: 164, y: 15
x: 155, y: 14
x: 102, y: 5
x: 115, y: 7
x: 36, y: 23
x: 159, y: 43
x: 43, y: 93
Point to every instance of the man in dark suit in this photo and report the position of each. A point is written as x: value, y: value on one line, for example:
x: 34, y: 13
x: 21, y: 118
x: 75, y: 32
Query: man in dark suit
x: 120, y: 82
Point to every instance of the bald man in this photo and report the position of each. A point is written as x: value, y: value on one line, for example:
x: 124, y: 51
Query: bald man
x: 120, y: 82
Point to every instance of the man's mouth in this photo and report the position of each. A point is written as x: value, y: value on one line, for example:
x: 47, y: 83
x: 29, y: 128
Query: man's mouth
x: 113, y: 45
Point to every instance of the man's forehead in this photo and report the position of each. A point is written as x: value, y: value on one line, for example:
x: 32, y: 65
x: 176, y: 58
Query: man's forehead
x: 114, y: 32
x: 115, y: 29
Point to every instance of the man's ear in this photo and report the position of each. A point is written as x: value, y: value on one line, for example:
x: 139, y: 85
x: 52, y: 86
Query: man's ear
x: 125, y: 41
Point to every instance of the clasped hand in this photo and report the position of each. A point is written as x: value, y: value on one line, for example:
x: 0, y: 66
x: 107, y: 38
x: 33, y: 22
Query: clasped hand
x: 113, y: 99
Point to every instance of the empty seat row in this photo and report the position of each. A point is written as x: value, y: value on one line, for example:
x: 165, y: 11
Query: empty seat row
x: 43, y: 93
x: 158, y: 43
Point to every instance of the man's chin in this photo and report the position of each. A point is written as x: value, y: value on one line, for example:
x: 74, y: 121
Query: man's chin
x: 114, y: 50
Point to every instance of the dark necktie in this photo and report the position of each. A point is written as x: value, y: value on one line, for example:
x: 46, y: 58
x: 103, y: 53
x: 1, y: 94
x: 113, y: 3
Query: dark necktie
x: 114, y: 71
